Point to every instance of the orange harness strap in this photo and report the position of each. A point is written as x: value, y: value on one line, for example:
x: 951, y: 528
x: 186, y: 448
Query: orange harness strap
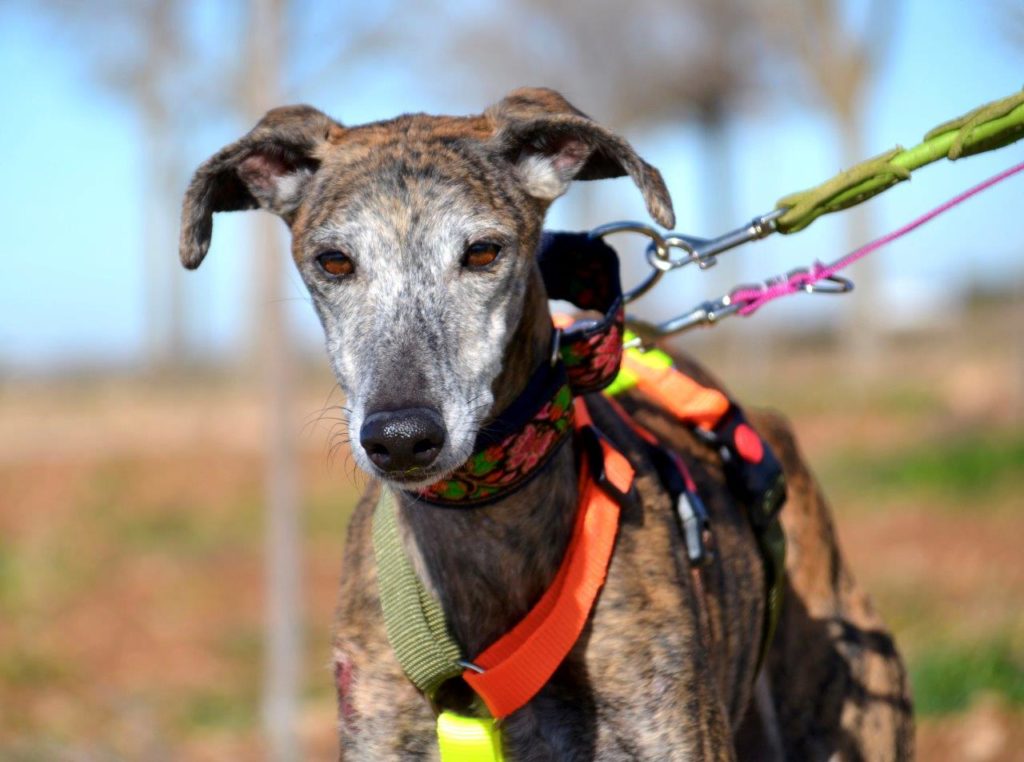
x: 676, y: 392
x: 518, y: 664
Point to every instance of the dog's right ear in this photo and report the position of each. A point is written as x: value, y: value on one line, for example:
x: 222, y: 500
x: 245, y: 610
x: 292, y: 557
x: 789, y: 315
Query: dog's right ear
x: 269, y: 168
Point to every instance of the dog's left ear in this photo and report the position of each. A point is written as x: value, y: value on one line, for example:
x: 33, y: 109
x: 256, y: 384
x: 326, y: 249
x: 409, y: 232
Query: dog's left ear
x: 268, y: 168
x: 552, y: 143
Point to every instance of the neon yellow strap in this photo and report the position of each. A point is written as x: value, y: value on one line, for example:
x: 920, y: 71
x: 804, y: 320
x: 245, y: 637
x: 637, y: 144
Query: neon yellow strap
x: 468, y: 739
x: 626, y: 379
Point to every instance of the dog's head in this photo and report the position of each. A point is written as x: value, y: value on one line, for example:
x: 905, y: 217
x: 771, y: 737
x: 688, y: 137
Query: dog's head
x: 416, y: 238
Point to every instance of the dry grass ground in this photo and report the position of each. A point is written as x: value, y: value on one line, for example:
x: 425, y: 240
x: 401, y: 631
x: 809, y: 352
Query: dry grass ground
x: 130, y: 546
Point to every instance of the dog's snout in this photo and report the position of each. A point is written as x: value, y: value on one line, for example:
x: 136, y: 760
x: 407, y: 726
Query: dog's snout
x: 403, y: 440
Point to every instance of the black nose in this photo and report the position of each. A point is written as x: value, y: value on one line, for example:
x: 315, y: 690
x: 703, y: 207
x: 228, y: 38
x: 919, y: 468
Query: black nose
x: 403, y: 440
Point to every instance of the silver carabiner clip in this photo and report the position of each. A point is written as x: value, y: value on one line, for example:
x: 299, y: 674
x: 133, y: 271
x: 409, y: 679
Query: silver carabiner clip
x: 705, y: 314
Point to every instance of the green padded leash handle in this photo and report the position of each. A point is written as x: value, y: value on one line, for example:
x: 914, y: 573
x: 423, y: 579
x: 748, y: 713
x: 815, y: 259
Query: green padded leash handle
x: 987, y: 127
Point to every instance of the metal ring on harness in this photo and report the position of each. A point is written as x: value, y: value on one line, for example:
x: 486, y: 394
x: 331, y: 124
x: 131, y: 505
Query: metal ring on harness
x: 657, y: 252
x: 810, y: 280
x: 467, y: 664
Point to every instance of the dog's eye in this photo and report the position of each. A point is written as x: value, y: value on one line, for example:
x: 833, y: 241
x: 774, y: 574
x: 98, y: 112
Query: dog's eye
x: 335, y: 264
x: 480, y: 254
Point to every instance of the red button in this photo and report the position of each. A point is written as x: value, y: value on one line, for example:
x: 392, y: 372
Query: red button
x: 748, y: 444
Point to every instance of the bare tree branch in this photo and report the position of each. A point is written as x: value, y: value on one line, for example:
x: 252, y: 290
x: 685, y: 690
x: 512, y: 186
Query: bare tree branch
x: 648, y: 61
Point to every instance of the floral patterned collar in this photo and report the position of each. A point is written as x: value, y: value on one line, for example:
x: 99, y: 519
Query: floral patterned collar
x: 516, y: 446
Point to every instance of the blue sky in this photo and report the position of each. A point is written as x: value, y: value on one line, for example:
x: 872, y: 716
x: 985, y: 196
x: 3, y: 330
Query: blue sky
x: 71, y: 283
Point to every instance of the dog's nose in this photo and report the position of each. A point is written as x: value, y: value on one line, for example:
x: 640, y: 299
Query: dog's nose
x: 403, y: 440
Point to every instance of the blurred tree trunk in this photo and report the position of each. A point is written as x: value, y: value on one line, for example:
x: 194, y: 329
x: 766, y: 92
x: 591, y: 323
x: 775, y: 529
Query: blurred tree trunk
x: 861, y: 333
x: 839, y: 64
x: 283, y: 666
x: 161, y: 273
x: 164, y: 337
x: 1010, y: 20
x: 718, y: 212
x: 143, y: 72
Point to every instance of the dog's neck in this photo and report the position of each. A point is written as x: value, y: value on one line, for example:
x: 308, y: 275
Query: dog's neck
x: 488, y: 565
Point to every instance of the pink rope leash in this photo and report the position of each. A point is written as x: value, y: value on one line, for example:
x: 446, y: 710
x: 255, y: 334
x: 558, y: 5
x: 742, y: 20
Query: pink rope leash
x: 753, y: 299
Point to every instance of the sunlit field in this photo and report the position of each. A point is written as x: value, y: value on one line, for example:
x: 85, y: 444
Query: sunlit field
x: 131, y: 588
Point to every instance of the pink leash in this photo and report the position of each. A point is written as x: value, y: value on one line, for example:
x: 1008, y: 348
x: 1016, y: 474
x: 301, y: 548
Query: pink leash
x: 752, y: 299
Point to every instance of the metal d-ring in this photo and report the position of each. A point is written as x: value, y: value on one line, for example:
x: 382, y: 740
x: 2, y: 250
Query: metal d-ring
x: 661, y: 264
x: 611, y: 228
x: 644, y: 286
x: 556, y: 346
x: 657, y: 246
x: 466, y: 664
x: 832, y: 284
x: 815, y: 282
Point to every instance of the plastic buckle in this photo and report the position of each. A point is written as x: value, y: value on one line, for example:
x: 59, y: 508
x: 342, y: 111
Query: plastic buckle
x: 468, y: 739
x: 693, y: 517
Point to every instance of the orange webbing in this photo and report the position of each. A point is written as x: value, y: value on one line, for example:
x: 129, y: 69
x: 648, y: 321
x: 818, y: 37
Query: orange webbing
x: 519, y: 663
x: 561, y: 320
x: 678, y: 393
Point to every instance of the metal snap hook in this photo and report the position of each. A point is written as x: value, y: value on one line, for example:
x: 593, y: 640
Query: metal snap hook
x: 691, y: 252
x: 832, y: 284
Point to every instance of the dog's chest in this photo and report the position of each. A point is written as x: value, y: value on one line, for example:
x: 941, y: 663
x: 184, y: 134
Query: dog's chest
x: 643, y: 678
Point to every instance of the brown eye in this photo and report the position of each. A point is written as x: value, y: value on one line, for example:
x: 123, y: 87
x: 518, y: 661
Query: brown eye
x: 336, y: 264
x: 480, y: 254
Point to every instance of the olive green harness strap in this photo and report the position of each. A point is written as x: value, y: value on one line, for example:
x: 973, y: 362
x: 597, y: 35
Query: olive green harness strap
x: 771, y: 542
x: 413, y: 618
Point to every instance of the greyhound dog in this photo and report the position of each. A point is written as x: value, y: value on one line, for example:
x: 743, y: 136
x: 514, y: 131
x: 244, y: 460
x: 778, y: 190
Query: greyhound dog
x: 416, y: 238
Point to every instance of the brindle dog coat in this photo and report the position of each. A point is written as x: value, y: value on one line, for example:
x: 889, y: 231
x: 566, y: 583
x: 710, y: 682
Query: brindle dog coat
x: 662, y: 671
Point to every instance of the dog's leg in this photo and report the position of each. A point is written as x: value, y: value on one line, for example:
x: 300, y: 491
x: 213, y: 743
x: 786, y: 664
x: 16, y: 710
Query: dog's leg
x: 839, y: 687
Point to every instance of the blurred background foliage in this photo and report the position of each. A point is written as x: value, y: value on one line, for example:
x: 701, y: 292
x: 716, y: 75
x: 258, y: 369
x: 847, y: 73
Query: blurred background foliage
x: 174, y: 483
